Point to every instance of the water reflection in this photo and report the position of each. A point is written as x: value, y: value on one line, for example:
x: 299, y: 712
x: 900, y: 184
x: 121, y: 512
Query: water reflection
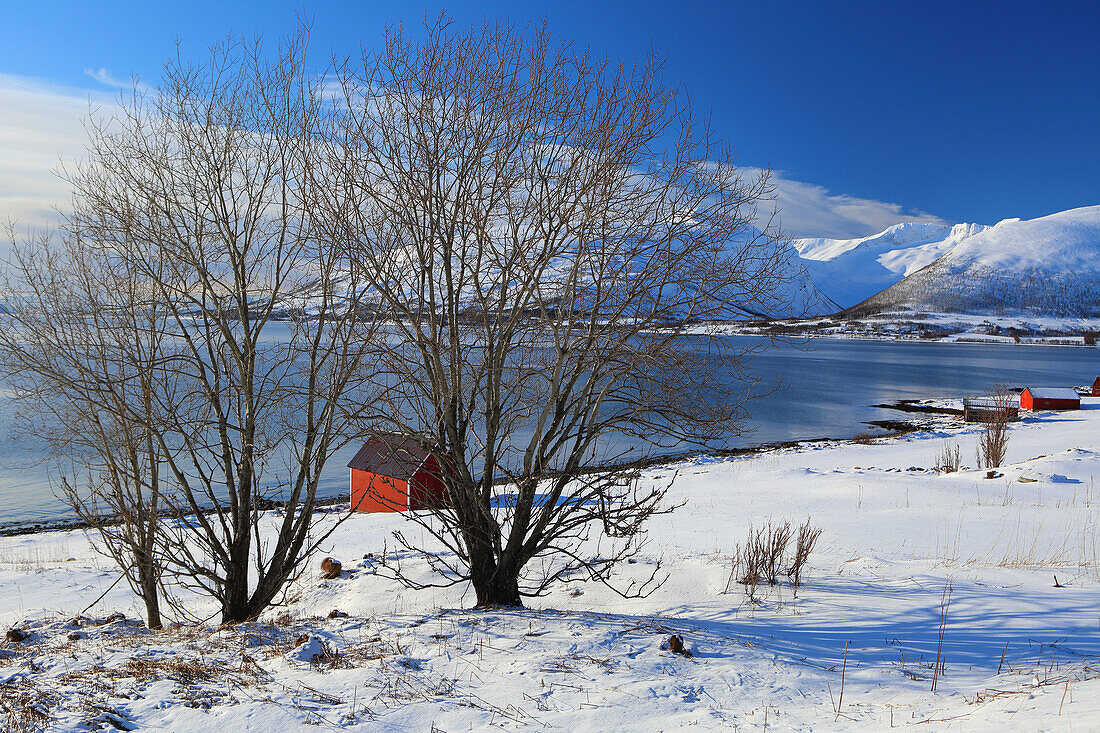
x: 825, y: 389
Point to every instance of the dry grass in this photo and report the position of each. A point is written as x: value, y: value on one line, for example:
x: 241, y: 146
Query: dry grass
x: 35, y: 558
x: 209, y: 667
x: 25, y: 707
x: 949, y: 459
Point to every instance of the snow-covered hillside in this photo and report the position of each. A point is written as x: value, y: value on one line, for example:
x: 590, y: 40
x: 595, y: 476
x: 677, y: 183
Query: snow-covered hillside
x: 849, y: 271
x: 1044, y: 266
x: 795, y: 294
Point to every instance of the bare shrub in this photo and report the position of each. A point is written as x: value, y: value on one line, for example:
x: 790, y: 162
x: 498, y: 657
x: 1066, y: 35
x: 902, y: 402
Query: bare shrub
x: 949, y: 459
x: 774, y: 544
x: 764, y: 556
x: 760, y: 559
x: 993, y: 440
x: 746, y: 569
x: 862, y: 438
x: 804, y: 545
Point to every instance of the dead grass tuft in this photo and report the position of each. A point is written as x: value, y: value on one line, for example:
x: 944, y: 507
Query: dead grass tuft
x: 949, y: 459
x: 25, y: 707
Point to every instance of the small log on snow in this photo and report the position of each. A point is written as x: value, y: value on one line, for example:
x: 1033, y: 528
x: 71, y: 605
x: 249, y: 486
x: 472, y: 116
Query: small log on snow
x: 330, y: 568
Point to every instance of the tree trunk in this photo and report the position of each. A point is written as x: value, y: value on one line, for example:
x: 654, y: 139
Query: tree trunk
x: 235, y: 606
x: 495, y: 586
x: 150, y: 588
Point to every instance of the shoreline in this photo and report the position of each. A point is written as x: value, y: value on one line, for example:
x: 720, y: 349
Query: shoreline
x: 900, y: 339
x: 896, y: 429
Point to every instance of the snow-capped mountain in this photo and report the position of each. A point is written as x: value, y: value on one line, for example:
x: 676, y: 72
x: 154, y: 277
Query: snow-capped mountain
x: 848, y: 271
x: 1044, y: 266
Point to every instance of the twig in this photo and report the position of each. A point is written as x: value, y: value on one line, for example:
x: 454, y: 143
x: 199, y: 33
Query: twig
x: 843, y: 670
x: 945, y: 603
x: 100, y: 598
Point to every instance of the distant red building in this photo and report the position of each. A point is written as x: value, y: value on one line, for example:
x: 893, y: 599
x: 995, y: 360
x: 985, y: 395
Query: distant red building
x: 1096, y: 388
x: 1050, y: 398
x: 391, y: 473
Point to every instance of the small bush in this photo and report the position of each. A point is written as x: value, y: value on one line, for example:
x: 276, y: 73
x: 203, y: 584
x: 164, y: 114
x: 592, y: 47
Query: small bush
x: 993, y: 440
x: 949, y: 460
x: 804, y: 545
x: 863, y: 438
x: 764, y: 556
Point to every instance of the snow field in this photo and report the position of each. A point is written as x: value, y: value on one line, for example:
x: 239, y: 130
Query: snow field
x: 854, y: 649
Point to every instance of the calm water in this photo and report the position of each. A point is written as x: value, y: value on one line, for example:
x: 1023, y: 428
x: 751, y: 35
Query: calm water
x: 825, y: 389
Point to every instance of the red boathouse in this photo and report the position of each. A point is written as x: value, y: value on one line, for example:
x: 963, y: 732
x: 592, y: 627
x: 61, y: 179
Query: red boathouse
x: 1050, y: 398
x: 1096, y: 388
x: 391, y: 473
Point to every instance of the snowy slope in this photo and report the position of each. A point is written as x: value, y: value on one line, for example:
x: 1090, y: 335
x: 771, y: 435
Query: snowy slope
x: 1044, y: 266
x: 1048, y: 267
x: 903, y: 547
x: 849, y: 271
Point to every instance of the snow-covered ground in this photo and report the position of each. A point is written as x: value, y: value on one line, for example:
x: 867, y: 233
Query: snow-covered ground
x: 855, y: 648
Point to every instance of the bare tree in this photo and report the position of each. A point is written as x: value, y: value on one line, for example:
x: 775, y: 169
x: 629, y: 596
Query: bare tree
x: 80, y: 346
x: 200, y: 192
x: 993, y: 440
x: 545, y: 228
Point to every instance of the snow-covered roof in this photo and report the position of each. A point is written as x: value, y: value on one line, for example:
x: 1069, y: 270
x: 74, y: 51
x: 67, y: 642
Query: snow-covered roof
x: 1053, y: 393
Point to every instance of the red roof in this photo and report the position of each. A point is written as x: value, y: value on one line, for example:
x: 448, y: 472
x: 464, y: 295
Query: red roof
x: 390, y: 455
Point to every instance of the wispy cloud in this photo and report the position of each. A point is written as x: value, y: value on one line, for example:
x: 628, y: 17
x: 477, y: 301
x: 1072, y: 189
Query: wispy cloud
x: 41, y: 126
x: 108, y: 79
x: 810, y: 210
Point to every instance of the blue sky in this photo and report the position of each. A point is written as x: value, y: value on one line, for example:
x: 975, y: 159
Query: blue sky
x: 871, y: 113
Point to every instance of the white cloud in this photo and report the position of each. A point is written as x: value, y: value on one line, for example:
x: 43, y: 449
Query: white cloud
x: 108, y: 79
x: 810, y: 210
x: 41, y: 125
x: 105, y: 78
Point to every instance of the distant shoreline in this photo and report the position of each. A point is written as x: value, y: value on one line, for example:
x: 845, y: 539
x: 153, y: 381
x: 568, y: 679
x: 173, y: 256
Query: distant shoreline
x: 896, y: 428
x: 900, y: 338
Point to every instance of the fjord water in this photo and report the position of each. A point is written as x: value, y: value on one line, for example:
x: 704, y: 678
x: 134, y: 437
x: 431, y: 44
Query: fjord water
x: 823, y: 388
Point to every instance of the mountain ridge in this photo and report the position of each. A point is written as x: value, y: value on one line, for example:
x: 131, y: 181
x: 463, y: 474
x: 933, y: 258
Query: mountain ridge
x: 1049, y: 265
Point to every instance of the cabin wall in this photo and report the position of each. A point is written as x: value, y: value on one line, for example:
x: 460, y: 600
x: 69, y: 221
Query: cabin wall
x: 371, y: 492
x: 427, y: 489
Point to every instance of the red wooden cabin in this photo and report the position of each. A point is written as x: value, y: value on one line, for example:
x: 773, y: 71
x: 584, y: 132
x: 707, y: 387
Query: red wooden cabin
x: 391, y: 473
x: 1050, y: 398
x: 1096, y: 388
